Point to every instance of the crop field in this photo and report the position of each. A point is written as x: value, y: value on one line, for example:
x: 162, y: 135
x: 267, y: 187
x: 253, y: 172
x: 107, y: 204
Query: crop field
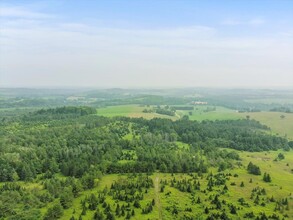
x: 134, y: 111
x: 175, y: 196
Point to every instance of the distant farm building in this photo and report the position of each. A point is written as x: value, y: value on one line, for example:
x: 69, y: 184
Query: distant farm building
x: 199, y: 103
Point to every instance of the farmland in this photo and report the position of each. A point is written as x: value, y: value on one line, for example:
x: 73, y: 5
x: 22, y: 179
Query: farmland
x: 199, y: 113
x: 134, y: 111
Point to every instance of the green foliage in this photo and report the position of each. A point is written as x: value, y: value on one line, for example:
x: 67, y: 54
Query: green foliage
x: 54, y: 212
x: 281, y: 156
x: 267, y: 177
x: 63, y: 152
x: 88, y: 181
x: 165, y: 111
x: 253, y: 169
x: 66, y: 197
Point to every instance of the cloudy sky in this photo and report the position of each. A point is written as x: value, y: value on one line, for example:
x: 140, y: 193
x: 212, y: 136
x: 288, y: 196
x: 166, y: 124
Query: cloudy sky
x: 149, y: 43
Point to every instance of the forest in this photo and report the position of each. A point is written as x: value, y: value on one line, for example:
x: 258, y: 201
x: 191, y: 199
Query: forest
x: 66, y: 150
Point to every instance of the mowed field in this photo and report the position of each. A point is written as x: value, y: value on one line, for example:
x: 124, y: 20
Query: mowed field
x: 134, y: 111
x: 171, y: 197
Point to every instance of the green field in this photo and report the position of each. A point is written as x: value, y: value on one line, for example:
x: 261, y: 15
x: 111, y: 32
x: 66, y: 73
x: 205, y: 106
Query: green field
x: 279, y: 126
x: 220, y: 113
x: 200, y: 113
x: 134, y: 111
x: 271, y: 101
x: 282, y: 127
x: 280, y: 187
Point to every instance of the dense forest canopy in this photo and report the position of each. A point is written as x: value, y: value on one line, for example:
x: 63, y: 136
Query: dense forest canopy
x: 73, y: 139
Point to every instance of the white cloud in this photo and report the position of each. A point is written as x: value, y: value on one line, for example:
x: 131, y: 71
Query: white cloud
x: 21, y: 12
x: 251, y: 22
x: 36, y: 52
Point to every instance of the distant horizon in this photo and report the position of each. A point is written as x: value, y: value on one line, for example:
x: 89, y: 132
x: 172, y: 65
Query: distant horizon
x: 155, y: 88
x: 149, y: 44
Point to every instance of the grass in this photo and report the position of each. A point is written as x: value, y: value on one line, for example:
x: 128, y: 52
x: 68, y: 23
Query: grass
x: 282, y: 127
x: 220, y: 113
x: 282, y: 178
x: 198, y: 113
x: 279, y: 126
x: 134, y: 111
x: 281, y: 101
x: 280, y: 187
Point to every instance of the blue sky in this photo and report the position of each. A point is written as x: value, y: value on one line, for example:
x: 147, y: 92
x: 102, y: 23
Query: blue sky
x: 146, y: 43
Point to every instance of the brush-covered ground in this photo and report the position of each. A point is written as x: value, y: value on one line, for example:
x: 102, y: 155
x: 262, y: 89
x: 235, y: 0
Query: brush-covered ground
x: 233, y: 191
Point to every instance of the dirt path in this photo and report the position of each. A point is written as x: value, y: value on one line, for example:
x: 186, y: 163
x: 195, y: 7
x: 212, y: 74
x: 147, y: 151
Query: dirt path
x: 157, y: 197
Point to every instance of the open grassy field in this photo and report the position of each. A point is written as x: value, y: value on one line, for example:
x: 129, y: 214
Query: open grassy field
x: 280, y: 187
x: 175, y: 203
x: 199, y: 113
x: 202, y: 112
x: 134, y: 111
x: 282, y: 127
x: 271, y: 101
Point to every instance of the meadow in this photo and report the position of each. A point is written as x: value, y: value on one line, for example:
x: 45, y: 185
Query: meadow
x: 173, y: 202
x: 281, y: 101
x: 206, y: 112
x: 282, y: 127
x: 279, y: 126
x: 134, y: 111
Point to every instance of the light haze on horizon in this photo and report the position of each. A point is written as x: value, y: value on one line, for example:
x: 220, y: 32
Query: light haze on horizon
x: 146, y: 43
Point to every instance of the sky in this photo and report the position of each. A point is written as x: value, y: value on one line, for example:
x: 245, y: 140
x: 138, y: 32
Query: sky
x: 151, y: 43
